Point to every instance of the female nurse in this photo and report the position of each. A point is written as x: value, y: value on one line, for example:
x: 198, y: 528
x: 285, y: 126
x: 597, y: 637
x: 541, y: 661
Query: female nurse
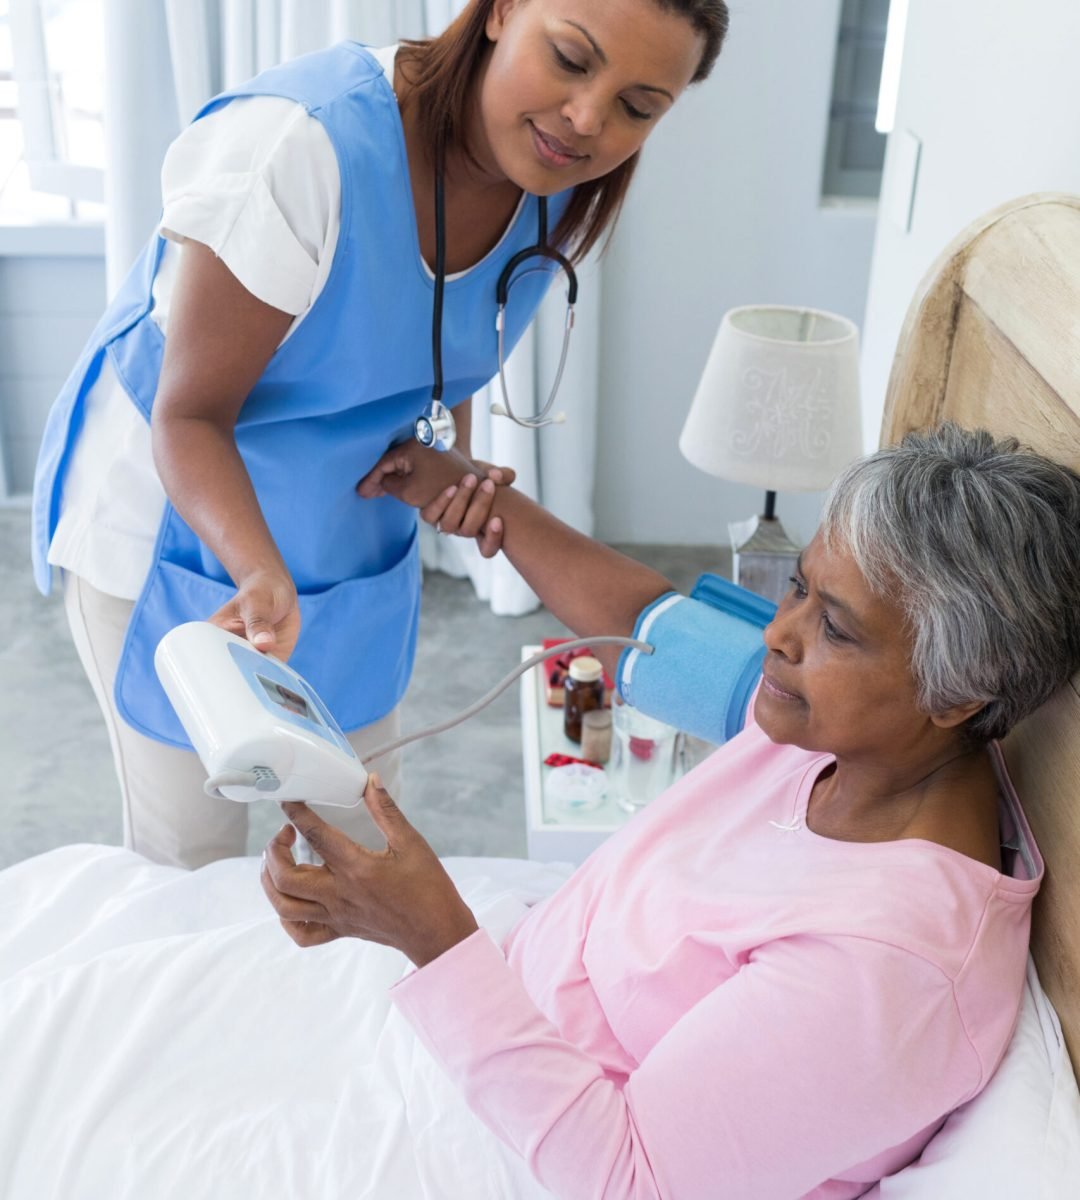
x: 276, y: 337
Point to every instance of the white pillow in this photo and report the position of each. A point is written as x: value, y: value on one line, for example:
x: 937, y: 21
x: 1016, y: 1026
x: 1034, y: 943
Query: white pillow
x: 1020, y: 1137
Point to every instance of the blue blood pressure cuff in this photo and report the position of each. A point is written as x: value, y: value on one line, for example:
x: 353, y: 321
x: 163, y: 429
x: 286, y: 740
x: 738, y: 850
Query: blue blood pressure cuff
x: 708, y: 651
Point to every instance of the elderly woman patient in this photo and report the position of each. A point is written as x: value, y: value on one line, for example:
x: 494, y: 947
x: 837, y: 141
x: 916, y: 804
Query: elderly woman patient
x: 778, y: 979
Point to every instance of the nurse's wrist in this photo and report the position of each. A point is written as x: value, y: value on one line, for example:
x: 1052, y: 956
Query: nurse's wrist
x: 263, y: 564
x: 269, y: 582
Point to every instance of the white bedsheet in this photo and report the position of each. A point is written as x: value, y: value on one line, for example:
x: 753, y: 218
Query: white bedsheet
x: 160, y: 1036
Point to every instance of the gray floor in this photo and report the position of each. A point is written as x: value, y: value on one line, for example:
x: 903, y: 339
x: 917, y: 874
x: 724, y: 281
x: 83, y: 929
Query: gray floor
x: 464, y: 788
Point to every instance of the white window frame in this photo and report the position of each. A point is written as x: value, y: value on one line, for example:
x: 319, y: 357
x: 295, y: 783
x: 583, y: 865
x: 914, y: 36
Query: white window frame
x: 839, y: 182
x: 45, y: 156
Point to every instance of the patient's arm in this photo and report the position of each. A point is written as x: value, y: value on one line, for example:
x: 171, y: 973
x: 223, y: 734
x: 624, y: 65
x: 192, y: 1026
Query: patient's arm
x: 587, y: 585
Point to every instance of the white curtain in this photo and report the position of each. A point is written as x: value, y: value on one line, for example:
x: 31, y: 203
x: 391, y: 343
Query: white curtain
x: 166, y: 58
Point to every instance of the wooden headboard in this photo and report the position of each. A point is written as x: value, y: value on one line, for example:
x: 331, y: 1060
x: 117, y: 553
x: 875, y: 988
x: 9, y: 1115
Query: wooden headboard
x: 992, y: 339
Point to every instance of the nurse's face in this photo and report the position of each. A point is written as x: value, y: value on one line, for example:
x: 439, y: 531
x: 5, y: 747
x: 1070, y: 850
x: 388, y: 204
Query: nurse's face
x: 837, y: 674
x: 572, y: 88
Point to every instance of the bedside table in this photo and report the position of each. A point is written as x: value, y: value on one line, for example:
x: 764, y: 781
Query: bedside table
x: 552, y: 834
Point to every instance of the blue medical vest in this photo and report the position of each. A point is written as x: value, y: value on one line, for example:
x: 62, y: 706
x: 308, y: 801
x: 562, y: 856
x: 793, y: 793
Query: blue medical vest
x: 343, y: 387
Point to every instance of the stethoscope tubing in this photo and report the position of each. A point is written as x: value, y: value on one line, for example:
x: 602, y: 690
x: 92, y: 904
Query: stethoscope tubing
x: 440, y: 286
x: 540, y: 419
x: 502, y: 293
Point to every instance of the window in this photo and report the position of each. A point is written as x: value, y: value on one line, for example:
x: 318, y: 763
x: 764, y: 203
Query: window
x: 855, y: 151
x: 52, y: 146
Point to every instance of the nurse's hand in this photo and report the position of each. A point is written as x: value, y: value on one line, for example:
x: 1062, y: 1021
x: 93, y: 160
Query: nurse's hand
x: 400, y: 896
x: 265, y: 611
x: 464, y: 509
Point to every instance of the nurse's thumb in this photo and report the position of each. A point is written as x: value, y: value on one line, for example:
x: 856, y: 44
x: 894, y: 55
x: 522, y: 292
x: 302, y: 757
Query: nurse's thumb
x: 259, y: 632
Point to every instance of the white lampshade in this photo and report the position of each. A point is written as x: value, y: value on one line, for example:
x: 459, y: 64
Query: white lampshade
x: 778, y: 402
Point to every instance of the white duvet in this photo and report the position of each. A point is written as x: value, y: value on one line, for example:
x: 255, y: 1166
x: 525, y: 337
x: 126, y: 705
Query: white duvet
x: 160, y: 1036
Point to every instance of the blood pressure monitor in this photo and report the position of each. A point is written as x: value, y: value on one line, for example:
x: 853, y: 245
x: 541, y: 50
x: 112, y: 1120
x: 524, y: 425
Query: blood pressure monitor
x: 258, y: 727
x: 261, y: 730
x: 263, y: 733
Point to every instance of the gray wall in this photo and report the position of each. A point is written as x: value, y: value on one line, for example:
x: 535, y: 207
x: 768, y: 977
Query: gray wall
x: 49, y: 303
x: 993, y: 92
x: 726, y: 211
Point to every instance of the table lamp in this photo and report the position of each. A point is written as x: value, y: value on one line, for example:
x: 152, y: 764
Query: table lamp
x: 777, y: 407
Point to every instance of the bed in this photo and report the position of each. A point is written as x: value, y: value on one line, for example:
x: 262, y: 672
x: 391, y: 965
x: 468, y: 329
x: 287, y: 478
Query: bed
x: 127, y: 954
x: 992, y: 339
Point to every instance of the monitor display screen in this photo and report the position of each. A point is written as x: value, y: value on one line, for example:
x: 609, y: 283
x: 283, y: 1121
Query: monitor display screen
x: 289, y: 700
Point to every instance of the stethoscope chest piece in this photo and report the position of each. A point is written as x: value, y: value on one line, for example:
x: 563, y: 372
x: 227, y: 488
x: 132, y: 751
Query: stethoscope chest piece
x: 435, y: 427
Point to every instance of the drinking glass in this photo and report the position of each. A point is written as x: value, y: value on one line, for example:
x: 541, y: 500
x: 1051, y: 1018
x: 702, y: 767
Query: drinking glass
x: 642, y: 757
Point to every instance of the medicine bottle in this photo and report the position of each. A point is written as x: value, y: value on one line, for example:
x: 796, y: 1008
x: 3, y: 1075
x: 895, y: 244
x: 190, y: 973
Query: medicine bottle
x: 596, y: 735
x: 583, y: 691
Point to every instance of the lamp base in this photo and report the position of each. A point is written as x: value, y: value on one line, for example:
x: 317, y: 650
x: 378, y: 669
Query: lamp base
x: 763, y: 556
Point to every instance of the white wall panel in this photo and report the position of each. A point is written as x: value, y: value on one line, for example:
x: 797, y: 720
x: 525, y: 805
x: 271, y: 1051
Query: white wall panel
x: 993, y: 93
x: 726, y: 210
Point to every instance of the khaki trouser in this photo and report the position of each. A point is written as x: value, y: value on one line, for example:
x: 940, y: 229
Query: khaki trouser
x: 167, y: 815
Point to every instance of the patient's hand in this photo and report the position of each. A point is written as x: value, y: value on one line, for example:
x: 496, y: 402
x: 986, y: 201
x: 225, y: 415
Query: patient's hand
x: 453, y: 493
x: 400, y: 896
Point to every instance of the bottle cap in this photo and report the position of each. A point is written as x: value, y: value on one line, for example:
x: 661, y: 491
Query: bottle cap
x: 586, y: 669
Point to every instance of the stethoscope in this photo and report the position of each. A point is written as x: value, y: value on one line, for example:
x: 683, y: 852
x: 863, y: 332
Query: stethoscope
x: 435, y: 427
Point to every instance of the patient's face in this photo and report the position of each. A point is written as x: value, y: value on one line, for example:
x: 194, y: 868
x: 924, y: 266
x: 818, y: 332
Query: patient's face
x: 837, y: 675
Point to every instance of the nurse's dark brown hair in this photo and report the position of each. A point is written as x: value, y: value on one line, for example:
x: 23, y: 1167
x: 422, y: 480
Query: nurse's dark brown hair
x: 442, y: 71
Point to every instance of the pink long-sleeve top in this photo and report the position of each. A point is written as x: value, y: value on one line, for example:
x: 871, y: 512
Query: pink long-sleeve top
x: 722, y: 1004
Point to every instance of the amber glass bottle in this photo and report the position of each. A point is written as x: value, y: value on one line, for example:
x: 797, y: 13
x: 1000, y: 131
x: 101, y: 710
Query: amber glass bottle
x: 582, y: 692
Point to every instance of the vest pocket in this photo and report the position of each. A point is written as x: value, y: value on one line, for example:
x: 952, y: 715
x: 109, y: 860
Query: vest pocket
x: 358, y: 640
x: 356, y: 647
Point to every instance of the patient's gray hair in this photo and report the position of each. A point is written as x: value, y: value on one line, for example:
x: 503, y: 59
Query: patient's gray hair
x: 980, y: 541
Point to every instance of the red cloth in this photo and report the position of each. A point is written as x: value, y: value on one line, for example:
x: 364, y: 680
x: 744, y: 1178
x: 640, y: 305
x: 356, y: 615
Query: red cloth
x: 555, y: 669
x: 554, y: 759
